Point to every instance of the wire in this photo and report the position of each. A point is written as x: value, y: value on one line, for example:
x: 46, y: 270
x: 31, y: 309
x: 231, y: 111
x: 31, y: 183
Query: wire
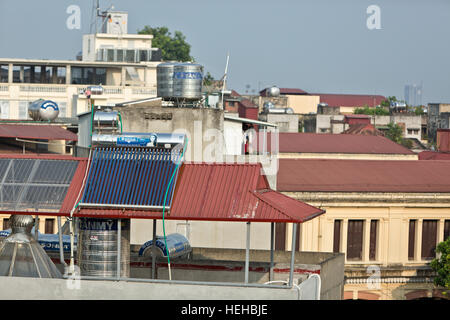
x: 164, y: 206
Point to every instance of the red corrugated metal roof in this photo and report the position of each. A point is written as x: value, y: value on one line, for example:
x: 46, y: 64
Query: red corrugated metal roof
x: 320, y: 175
x: 45, y: 132
x: 222, y: 192
x: 363, y: 129
x: 431, y: 155
x: 335, y: 143
x: 349, y: 100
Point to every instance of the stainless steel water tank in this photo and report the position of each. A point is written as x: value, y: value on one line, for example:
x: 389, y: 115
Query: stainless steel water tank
x: 187, y: 81
x: 97, y: 248
x: 43, y: 110
x: 164, y: 77
x: 267, y: 106
x: 273, y: 91
x: 104, y: 119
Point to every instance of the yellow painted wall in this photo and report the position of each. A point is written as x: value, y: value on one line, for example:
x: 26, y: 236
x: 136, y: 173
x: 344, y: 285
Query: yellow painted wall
x: 303, y: 104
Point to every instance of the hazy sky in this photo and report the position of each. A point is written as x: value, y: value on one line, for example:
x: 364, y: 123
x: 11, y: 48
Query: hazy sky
x: 318, y: 46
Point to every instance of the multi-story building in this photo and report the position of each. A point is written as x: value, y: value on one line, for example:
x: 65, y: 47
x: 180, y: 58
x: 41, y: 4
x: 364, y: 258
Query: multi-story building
x: 386, y: 216
x: 124, y: 64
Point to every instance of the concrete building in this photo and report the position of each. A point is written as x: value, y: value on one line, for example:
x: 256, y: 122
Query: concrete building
x: 386, y: 216
x: 124, y: 64
x: 438, y: 118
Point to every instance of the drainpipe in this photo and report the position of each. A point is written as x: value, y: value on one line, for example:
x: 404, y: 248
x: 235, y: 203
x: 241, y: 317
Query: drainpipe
x: 61, y: 248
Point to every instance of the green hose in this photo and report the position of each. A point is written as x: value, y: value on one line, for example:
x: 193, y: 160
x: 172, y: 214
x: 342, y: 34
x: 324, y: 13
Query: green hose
x: 120, y: 120
x: 164, y: 203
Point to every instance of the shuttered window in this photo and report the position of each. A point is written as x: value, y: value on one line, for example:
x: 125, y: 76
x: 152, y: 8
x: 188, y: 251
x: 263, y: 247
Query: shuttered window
x: 411, y: 239
x: 5, y: 224
x: 280, y: 236
x: 429, y: 236
x: 337, y: 236
x: 446, y: 229
x: 355, y: 239
x: 49, y: 225
x: 373, y: 240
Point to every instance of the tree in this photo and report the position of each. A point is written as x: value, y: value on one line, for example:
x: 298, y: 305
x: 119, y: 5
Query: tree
x: 208, y: 79
x: 442, y: 265
x: 172, y: 47
x: 388, y: 102
x: 381, y: 111
x: 394, y: 132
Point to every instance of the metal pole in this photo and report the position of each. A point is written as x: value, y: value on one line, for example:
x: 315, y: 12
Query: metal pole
x: 119, y: 235
x: 153, y: 250
x: 36, y: 227
x: 61, y: 248
x: 247, y: 252
x: 291, y: 270
x: 272, y: 242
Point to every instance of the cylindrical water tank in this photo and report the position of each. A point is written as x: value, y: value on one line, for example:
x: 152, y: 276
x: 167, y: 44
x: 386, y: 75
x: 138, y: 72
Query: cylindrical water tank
x: 97, y: 247
x: 106, y: 119
x: 187, y: 81
x: 137, y: 139
x: 95, y: 90
x: 43, y: 110
x: 273, y: 91
x: 164, y: 77
x: 267, y: 106
x: 281, y: 110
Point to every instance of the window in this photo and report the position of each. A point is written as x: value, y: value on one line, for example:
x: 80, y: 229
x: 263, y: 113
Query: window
x: 373, y: 240
x: 4, y: 109
x: 355, y: 239
x: 23, y: 110
x: 5, y: 223
x: 3, y: 73
x: 429, y: 237
x: 411, y: 239
x: 49, y: 225
x: 446, y: 229
x: 337, y: 235
x: 62, y: 109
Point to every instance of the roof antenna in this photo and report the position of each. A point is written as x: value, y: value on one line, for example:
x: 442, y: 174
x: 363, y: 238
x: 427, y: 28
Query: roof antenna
x: 225, y: 78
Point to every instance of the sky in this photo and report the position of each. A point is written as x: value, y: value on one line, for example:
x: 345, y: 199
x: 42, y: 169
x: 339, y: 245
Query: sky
x: 320, y: 46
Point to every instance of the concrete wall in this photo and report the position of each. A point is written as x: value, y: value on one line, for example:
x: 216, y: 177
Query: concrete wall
x: 285, y: 122
x: 204, y: 127
x: 303, y: 104
x: 324, y: 125
x: 228, y: 266
x: 408, y: 121
x: 60, y: 289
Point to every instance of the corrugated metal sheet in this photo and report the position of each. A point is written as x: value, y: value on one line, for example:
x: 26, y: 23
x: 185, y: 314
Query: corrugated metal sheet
x: 222, y: 192
x: 130, y: 176
x: 329, y: 175
x: 334, y: 143
x: 350, y: 100
x: 45, y: 132
x: 431, y: 155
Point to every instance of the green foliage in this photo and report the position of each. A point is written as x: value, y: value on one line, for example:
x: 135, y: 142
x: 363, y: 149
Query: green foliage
x: 442, y: 265
x: 394, y: 132
x: 173, y: 47
x: 208, y: 79
x: 418, y: 111
x: 379, y: 111
x: 388, y: 101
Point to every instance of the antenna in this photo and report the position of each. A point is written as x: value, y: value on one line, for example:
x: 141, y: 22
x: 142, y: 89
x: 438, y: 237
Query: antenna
x: 225, y: 78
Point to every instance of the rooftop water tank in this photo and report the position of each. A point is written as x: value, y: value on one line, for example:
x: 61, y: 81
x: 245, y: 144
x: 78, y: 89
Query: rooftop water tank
x: 97, y: 247
x: 273, y: 91
x: 43, y: 110
x: 177, y: 245
x: 187, y: 81
x: 164, y: 77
